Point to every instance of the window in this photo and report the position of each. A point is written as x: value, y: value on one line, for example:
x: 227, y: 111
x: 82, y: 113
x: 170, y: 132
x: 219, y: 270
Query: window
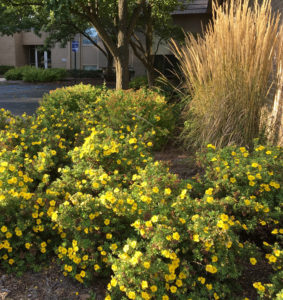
x: 90, y: 67
x: 92, y: 33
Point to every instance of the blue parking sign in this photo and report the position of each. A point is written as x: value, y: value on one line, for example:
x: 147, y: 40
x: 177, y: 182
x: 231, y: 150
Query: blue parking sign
x: 75, y: 46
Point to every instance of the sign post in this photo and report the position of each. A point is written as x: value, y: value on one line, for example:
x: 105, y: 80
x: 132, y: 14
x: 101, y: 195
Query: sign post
x: 75, y: 49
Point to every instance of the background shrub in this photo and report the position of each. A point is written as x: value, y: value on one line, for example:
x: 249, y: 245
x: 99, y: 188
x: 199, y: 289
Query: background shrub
x: 16, y: 73
x: 85, y: 73
x: 43, y: 75
x: 32, y: 74
x: 229, y: 85
x: 139, y: 82
x: 4, y: 69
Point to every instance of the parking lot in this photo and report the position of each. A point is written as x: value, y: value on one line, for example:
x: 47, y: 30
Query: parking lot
x: 19, y: 97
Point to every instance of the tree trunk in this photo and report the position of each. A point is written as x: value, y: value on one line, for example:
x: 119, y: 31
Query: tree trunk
x: 149, y: 44
x: 150, y: 76
x: 109, y: 74
x: 122, y: 73
x: 122, y: 59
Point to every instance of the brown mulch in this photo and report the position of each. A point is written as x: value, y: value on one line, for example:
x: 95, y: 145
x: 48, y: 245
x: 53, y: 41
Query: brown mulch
x: 180, y: 162
x: 48, y: 284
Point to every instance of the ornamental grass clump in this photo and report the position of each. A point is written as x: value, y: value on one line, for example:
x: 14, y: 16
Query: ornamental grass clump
x: 228, y: 73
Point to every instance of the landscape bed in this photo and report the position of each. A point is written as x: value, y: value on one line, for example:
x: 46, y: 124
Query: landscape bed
x: 78, y: 182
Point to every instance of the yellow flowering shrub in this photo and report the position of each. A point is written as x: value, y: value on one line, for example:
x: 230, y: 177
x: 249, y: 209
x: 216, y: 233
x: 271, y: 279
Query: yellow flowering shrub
x: 93, y: 197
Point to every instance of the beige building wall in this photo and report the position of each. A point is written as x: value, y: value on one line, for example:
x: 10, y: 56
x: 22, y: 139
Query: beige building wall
x: 20, y: 50
x: 15, y: 50
x: 59, y: 57
x: 29, y: 38
x: 7, y: 51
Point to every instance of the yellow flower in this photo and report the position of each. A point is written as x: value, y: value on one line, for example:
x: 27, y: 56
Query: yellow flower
x: 165, y: 297
x: 179, y: 283
x: 27, y: 245
x: 96, y: 267
x: 224, y: 217
x: 145, y: 295
x: 154, y: 219
x: 189, y: 186
x: 113, y: 282
x: 214, y: 258
x: 209, y: 199
x: 4, y: 229
x: 259, y: 286
x: 272, y: 259
x: 182, y: 275
x: 209, y: 286
x: 229, y: 244
x: 253, y: 261
x: 167, y: 191
x: 211, y: 269
x: 107, y: 222
x: 196, y: 238
x: 132, y: 141
x: 155, y: 189
x: 132, y: 295
x: 210, y: 146
x: 201, y: 279
x: 82, y: 274
x: 52, y: 203
x: 233, y: 180
x: 108, y: 236
x: 176, y: 236
x: 144, y: 284
x: 146, y: 264
x: 209, y: 191
x: 153, y: 288
x: 173, y: 289
x: 8, y: 235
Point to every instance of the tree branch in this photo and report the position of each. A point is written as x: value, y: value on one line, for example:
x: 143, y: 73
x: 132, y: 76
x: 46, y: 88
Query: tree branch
x: 138, y: 44
x: 134, y: 18
x: 138, y: 54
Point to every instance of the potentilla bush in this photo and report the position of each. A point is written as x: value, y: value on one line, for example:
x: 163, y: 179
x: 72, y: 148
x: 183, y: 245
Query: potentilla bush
x: 47, y: 146
x: 146, y: 109
x: 200, y: 243
x: 102, y: 168
x: 5, y: 115
x: 26, y: 235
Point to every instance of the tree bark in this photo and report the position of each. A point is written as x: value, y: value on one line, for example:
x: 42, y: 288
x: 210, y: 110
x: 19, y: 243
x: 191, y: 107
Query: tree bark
x: 122, y: 73
x: 122, y: 59
x: 149, y: 44
x: 150, y: 76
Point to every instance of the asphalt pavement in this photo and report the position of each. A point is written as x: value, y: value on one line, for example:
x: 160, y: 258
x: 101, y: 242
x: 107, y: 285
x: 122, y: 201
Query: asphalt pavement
x: 19, y: 97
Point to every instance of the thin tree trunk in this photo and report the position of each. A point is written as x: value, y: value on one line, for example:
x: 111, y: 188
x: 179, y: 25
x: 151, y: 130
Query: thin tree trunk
x: 109, y: 73
x: 150, y: 76
x: 122, y: 59
x: 149, y: 44
x: 122, y: 73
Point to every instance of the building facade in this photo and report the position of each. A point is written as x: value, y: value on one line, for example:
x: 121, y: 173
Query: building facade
x: 26, y: 48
